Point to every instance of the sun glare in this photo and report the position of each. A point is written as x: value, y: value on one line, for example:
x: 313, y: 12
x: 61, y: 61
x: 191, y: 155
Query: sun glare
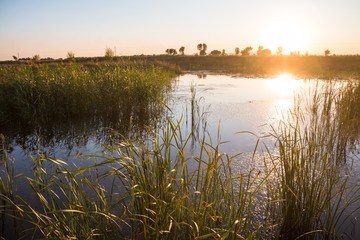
x: 284, y: 85
x: 287, y: 32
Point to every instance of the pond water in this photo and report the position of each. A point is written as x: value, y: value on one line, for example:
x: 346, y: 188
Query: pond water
x: 231, y: 103
x: 228, y: 103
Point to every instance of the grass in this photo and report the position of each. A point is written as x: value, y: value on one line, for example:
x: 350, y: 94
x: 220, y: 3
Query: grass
x: 42, y: 92
x: 332, y: 67
x: 311, y: 189
x: 324, y: 67
x: 152, y: 188
x: 153, y: 195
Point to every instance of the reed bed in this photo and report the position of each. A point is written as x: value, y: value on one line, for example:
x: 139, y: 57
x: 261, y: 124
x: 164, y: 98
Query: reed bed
x: 311, y: 190
x: 63, y: 90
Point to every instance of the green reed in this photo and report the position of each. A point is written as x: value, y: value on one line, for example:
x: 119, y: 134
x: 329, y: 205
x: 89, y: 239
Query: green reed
x: 311, y: 189
x: 63, y: 90
x: 157, y: 191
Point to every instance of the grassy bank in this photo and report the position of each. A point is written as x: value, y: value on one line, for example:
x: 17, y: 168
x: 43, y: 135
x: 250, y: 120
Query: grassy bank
x: 153, y: 189
x: 63, y: 90
x: 342, y: 67
x: 326, y: 67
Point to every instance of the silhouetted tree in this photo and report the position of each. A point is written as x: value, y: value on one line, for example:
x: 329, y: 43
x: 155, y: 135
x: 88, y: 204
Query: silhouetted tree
x: 327, y: 52
x: 223, y: 52
x: 70, y: 55
x: 263, y: 52
x: 260, y: 49
x: 246, y: 51
x: 36, y: 58
x: 182, y: 50
x: 215, y: 53
x: 266, y: 52
x: 237, y: 51
x: 202, y: 47
x: 280, y: 50
x: 171, y: 51
x: 15, y: 58
x: 199, y: 46
x: 109, y: 53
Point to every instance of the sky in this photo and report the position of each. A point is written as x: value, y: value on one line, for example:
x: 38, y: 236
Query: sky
x: 51, y: 28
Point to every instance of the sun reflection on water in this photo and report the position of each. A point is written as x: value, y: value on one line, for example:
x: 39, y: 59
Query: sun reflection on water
x: 284, y: 85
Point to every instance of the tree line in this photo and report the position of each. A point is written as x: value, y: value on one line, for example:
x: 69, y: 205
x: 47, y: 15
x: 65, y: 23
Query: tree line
x: 202, y: 48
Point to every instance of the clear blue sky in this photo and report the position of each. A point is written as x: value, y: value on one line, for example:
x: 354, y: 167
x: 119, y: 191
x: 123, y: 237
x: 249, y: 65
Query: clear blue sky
x: 51, y: 28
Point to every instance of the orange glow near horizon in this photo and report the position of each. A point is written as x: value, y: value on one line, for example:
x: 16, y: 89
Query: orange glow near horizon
x: 287, y: 32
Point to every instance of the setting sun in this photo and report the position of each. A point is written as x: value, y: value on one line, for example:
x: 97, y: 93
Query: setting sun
x: 287, y: 32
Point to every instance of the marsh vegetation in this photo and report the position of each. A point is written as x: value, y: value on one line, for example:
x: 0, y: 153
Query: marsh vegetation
x: 157, y: 184
x: 331, y: 67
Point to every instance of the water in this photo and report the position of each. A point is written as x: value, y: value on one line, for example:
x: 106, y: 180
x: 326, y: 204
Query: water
x: 237, y: 111
x: 238, y: 104
x: 228, y: 103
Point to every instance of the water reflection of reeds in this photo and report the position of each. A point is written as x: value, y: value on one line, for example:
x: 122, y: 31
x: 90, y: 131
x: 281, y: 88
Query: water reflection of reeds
x: 71, y: 103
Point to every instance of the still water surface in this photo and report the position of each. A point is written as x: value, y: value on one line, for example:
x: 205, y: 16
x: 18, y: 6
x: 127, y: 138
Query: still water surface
x: 229, y: 104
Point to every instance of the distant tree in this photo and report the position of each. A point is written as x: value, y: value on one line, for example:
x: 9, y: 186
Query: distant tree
x: 173, y: 51
x: 182, y: 50
x: 36, y: 58
x: 280, y: 51
x: 15, y: 58
x: 199, y: 46
x: 237, y: 51
x: 306, y: 53
x: 223, y: 53
x: 246, y: 51
x: 70, y: 55
x: 265, y: 52
x: 327, y: 52
x: 260, y: 49
x: 202, y: 47
x: 215, y: 53
x: 109, y: 53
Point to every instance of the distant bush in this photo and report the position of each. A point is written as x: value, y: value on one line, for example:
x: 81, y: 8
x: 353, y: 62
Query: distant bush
x: 70, y: 55
x: 36, y: 58
x: 109, y: 53
x: 215, y: 53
